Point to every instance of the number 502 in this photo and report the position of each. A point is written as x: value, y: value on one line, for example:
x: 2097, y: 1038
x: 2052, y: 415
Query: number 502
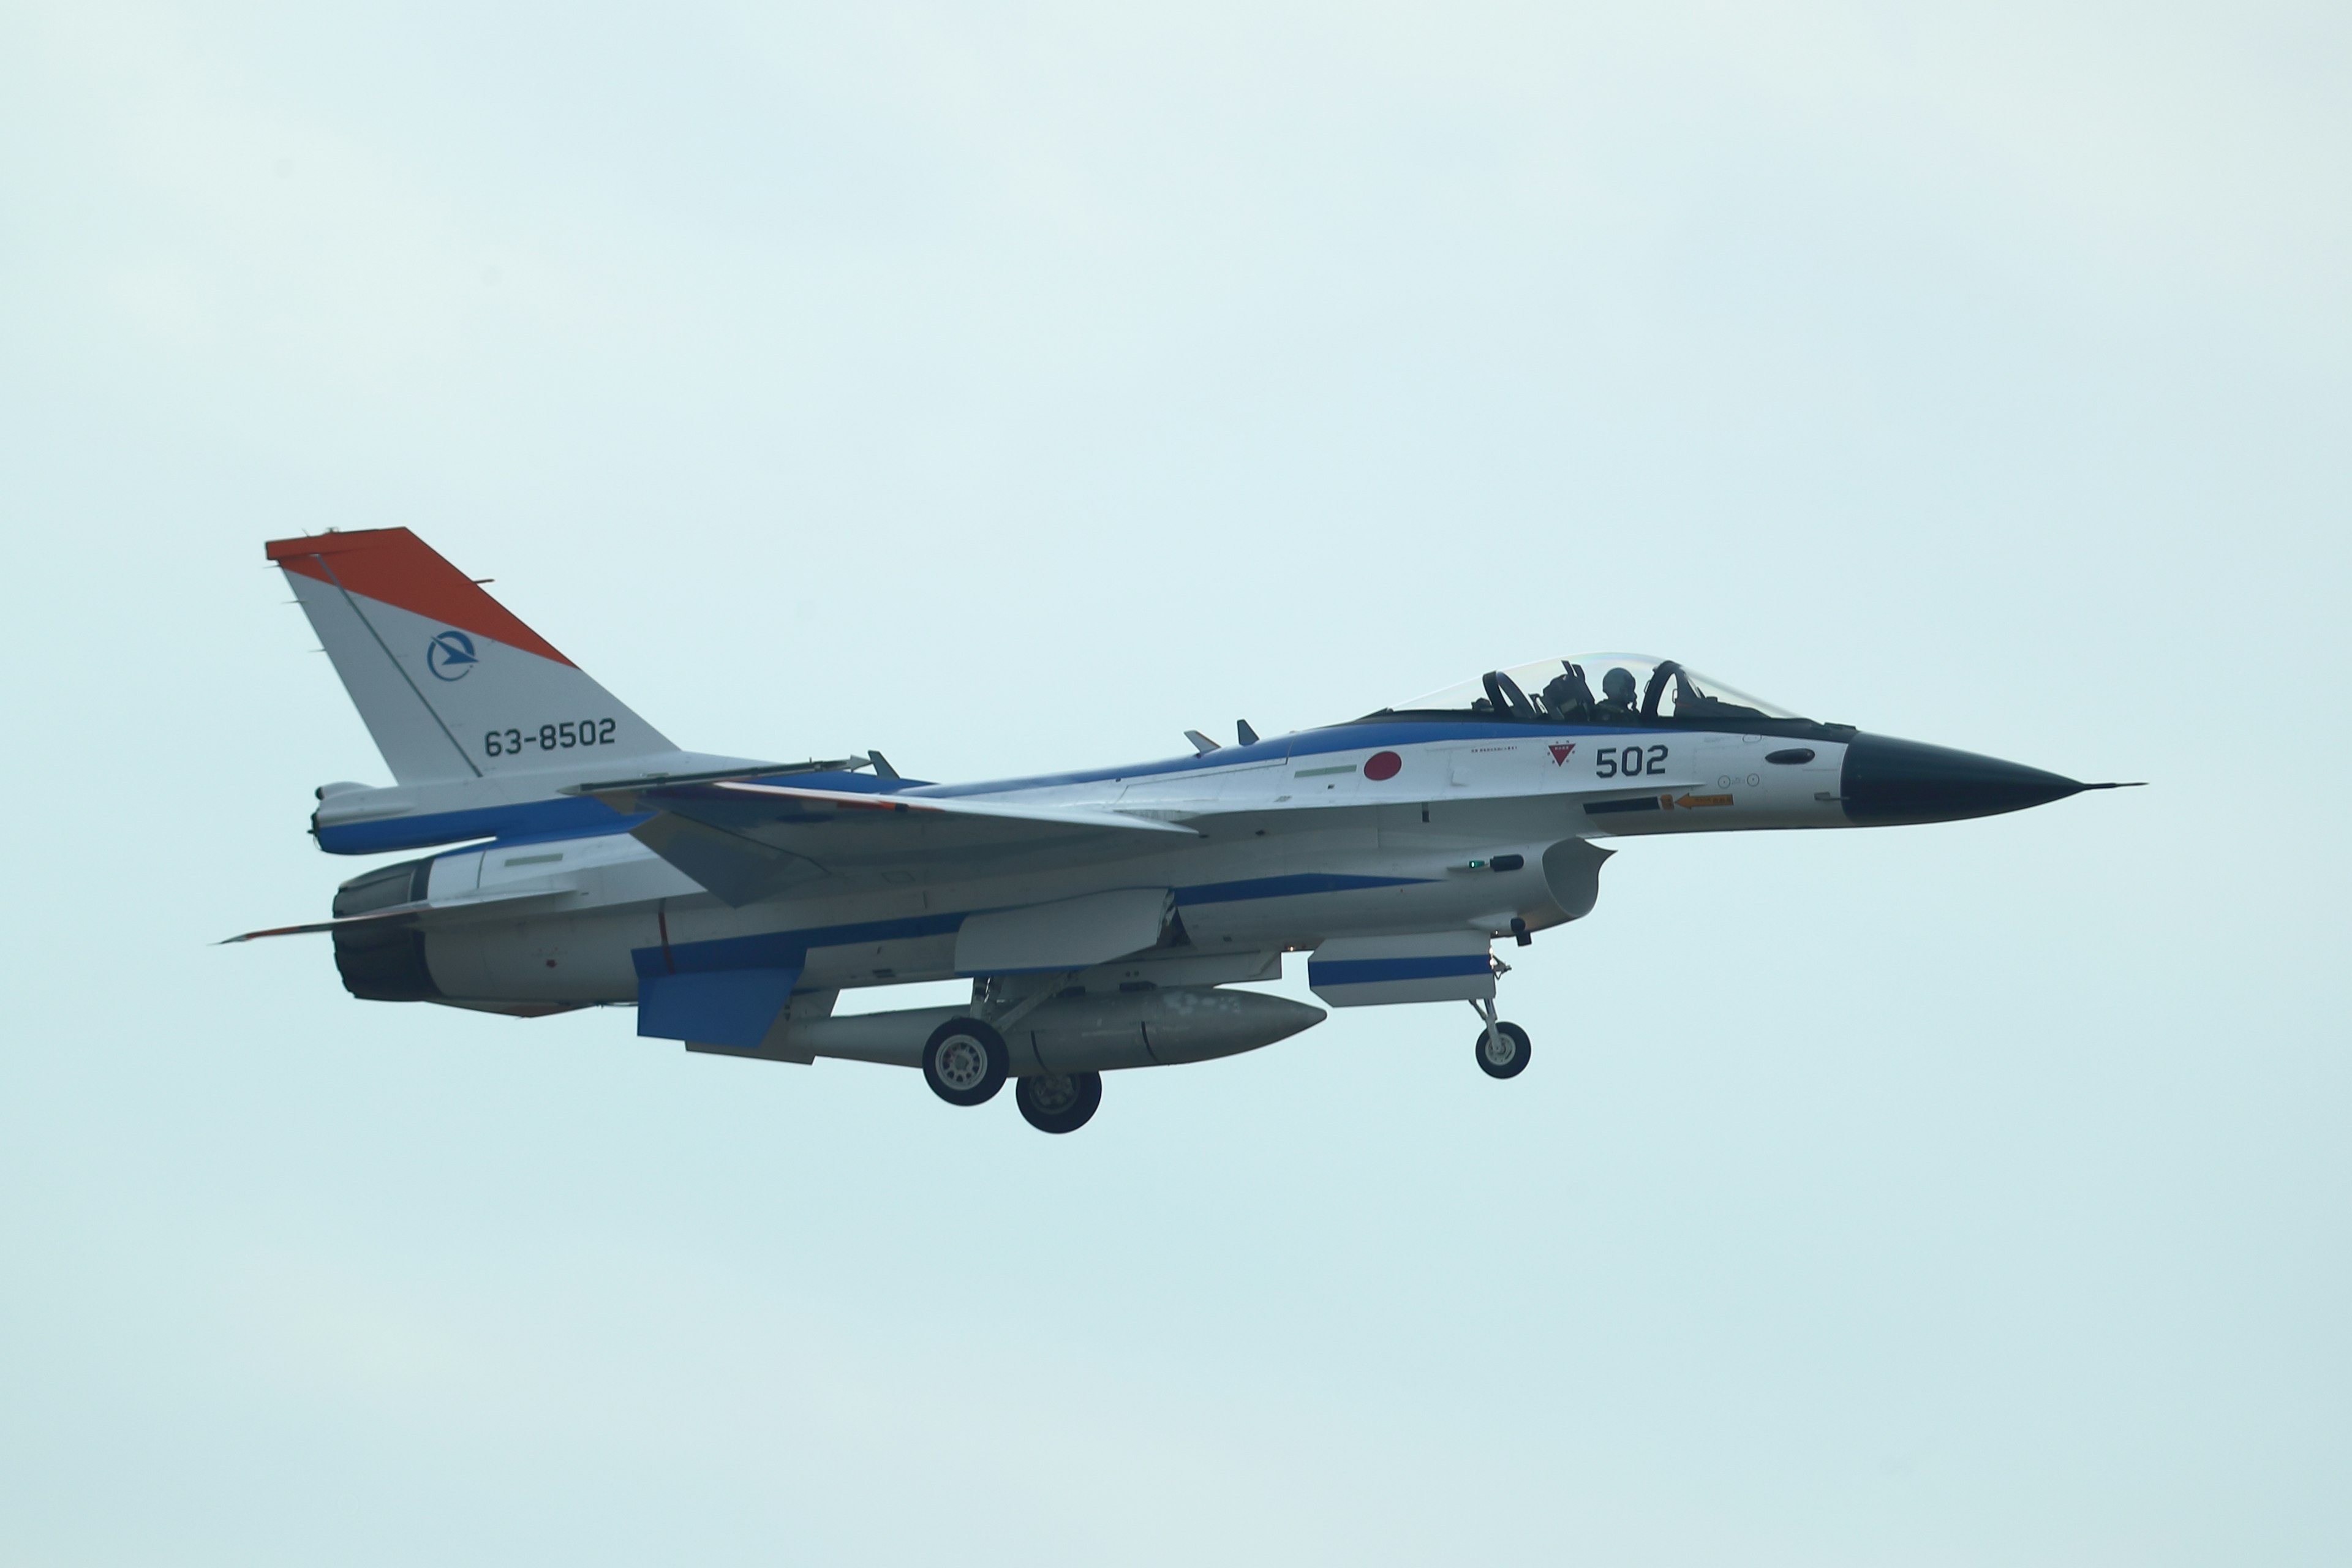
x: 1631, y: 761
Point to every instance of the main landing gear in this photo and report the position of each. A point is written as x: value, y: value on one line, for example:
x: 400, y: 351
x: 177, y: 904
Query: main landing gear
x: 1502, y: 1048
x: 1058, y: 1102
x: 965, y: 1063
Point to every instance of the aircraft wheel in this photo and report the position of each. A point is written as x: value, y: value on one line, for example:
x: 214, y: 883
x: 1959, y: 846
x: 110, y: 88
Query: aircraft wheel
x: 1502, y: 1050
x: 965, y: 1061
x: 1058, y: 1102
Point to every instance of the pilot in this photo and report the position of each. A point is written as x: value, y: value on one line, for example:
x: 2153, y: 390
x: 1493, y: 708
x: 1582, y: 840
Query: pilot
x: 1618, y: 694
x: 1564, y: 698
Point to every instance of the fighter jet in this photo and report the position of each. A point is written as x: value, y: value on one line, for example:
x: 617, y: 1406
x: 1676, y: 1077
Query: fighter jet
x: 1103, y: 918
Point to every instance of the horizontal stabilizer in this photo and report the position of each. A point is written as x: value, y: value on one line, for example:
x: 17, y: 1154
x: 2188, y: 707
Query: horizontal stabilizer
x: 411, y: 913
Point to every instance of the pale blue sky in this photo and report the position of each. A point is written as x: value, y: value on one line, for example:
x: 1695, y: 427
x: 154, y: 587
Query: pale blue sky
x: 1013, y: 388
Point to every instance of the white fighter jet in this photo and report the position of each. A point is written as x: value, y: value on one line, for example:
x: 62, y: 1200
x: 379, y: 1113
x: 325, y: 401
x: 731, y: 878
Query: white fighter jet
x: 581, y: 859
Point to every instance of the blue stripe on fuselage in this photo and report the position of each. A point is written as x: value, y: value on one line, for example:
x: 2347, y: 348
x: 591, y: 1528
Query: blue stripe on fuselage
x: 1285, y: 888
x: 1367, y: 736
x: 1264, y: 751
x: 566, y: 816
x: 581, y: 817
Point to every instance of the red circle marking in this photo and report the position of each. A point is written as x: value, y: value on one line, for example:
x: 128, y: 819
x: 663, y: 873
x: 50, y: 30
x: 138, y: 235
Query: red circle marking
x: 1382, y: 765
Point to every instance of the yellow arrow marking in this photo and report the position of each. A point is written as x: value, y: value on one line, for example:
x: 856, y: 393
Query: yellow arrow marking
x: 1692, y: 802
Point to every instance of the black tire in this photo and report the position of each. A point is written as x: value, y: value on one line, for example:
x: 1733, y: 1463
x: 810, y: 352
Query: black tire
x: 965, y: 1061
x: 1514, y: 1052
x: 1058, y: 1102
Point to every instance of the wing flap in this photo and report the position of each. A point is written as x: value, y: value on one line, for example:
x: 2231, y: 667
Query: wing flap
x: 746, y: 840
x: 740, y: 870
x: 735, y: 804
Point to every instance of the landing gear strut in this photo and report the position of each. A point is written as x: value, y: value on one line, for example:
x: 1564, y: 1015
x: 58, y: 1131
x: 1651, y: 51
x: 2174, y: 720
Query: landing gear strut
x: 1058, y: 1102
x: 1502, y: 1048
x: 965, y: 1062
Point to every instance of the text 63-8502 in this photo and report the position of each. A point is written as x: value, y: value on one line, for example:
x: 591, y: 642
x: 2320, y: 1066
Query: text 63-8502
x: 560, y: 737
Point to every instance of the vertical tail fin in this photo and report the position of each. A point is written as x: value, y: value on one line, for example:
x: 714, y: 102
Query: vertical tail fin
x: 450, y: 684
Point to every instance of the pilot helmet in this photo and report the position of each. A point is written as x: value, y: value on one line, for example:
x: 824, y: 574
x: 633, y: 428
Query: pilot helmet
x: 1618, y: 685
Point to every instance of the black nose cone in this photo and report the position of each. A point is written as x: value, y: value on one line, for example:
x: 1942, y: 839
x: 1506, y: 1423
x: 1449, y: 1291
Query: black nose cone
x: 1889, y: 782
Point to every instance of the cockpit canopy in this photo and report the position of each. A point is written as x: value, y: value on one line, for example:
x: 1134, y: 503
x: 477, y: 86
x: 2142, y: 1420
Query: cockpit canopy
x: 1596, y: 688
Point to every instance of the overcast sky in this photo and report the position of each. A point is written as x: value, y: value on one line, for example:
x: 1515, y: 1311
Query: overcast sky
x: 1011, y: 388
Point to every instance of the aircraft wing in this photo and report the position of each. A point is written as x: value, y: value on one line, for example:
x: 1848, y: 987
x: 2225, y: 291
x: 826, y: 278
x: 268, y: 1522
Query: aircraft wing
x: 745, y: 840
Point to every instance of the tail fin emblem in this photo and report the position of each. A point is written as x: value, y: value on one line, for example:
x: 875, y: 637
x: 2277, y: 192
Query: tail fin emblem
x: 451, y: 655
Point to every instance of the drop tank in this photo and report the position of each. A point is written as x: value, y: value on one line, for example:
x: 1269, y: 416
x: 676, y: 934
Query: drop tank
x: 1160, y: 1027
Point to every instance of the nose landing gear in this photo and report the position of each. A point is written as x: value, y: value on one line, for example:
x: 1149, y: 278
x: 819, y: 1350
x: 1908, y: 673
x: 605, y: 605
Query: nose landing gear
x: 1503, y: 1048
